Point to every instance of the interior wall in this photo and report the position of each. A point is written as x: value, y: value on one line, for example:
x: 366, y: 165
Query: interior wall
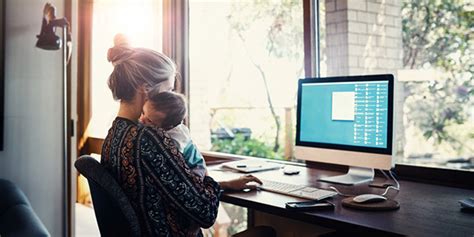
x: 32, y: 149
x: 73, y: 19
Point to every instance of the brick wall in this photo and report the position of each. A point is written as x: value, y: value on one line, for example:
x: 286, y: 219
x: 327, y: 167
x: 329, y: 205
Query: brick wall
x: 365, y: 37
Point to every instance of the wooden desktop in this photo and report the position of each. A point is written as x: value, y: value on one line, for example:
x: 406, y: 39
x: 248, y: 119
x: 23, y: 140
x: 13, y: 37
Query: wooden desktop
x: 425, y: 209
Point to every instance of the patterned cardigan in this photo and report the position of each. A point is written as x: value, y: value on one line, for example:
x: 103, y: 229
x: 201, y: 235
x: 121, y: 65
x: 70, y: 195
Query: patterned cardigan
x: 168, y: 198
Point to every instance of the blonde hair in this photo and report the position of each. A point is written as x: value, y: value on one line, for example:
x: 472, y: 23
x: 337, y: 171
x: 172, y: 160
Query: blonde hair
x: 137, y: 67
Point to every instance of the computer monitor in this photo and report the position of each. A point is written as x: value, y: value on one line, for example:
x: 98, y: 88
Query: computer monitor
x: 347, y: 121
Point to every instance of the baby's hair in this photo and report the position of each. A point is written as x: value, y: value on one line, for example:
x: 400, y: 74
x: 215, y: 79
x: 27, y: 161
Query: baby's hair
x: 170, y: 103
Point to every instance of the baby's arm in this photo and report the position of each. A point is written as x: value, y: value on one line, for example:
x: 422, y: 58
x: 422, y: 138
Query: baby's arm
x: 195, y: 159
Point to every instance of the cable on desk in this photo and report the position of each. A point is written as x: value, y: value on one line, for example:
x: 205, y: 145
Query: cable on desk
x: 397, y: 187
x: 384, y: 174
x: 339, y: 193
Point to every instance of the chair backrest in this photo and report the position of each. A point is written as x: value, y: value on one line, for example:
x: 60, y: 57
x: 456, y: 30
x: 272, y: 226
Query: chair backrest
x: 17, y: 218
x: 114, y: 213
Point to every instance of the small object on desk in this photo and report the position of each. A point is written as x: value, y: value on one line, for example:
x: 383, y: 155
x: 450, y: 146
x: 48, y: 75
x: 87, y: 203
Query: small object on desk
x: 252, y: 185
x: 380, y: 184
x: 309, y: 206
x: 368, y: 198
x: 250, y: 166
x: 290, y: 170
x: 467, y: 203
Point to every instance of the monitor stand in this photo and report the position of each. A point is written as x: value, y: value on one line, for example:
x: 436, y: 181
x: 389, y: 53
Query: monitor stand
x: 355, y: 175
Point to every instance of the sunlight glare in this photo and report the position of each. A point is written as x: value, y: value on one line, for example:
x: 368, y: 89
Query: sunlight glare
x: 140, y: 21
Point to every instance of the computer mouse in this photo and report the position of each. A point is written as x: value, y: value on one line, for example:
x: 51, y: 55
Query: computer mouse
x: 369, y: 198
x: 290, y: 170
x: 252, y: 186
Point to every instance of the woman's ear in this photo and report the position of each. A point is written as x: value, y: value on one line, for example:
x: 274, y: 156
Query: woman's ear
x: 142, y: 95
x: 176, y: 86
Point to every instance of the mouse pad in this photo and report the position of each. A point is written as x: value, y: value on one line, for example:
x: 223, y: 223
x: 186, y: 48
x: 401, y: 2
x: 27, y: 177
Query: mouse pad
x: 387, y: 205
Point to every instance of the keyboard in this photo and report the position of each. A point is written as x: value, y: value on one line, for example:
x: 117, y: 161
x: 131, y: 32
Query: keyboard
x: 295, y: 190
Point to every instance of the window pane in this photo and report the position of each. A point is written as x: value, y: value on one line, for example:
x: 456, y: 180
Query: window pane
x: 141, y: 21
x: 245, y: 60
x: 428, y: 46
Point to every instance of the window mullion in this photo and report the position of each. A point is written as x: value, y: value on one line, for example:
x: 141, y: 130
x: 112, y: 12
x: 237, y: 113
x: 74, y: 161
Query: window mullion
x: 311, y: 38
x: 176, y: 40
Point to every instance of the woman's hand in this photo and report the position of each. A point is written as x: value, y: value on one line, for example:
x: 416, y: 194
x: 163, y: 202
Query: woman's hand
x: 241, y: 183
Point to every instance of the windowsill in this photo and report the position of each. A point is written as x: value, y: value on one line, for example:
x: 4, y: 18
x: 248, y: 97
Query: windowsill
x: 435, y: 165
x: 223, y: 157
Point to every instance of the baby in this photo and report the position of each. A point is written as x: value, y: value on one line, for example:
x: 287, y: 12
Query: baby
x: 167, y: 110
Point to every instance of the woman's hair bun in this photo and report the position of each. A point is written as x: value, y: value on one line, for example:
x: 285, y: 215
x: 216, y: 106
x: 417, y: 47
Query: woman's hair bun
x: 121, y: 49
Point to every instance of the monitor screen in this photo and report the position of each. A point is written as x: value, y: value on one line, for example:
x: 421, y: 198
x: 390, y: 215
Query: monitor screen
x: 345, y: 114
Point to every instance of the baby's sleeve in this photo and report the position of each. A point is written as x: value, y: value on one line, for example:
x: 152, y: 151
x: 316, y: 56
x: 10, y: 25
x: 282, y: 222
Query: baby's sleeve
x: 193, y: 156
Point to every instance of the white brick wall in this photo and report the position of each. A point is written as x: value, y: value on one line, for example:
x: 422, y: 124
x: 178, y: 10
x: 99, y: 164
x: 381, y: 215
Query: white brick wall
x: 371, y: 43
x: 363, y: 36
x: 359, y: 5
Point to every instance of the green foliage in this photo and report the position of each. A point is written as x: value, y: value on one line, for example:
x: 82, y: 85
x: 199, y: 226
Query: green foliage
x: 438, y: 34
x: 282, y: 38
x: 246, y: 147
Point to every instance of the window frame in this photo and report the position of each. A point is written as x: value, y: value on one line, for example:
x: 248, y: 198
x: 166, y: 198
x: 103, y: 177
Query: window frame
x: 176, y: 16
x: 444, y: 176
x: 84, y: 63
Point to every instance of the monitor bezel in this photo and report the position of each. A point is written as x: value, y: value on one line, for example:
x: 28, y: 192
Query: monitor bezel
x: 378, y: 77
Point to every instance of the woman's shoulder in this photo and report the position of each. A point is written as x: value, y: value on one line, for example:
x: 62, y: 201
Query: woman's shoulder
x: 153, y: 134
x: 125, y: 128
x: 144, y: 134
x: 127, y: 124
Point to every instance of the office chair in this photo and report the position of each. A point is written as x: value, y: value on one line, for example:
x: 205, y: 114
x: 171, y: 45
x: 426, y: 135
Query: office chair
x: 113, y: 211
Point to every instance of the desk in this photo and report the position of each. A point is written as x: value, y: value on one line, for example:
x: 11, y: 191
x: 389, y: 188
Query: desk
x: 425, y: 210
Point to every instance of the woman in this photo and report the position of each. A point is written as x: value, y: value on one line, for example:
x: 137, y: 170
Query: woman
x: 168, y: 198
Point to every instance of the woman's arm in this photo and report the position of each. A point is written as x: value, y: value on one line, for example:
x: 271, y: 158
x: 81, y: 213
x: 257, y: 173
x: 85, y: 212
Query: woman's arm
x: 196, y: 198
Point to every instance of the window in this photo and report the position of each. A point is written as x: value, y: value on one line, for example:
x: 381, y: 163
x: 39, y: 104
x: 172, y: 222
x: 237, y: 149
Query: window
x: 246, y: 56
x: 141, y: 21
x: 428, y: 46
x: 245, y: 60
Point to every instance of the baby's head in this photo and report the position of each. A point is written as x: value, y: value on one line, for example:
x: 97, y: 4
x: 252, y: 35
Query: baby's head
x: 164, y: 109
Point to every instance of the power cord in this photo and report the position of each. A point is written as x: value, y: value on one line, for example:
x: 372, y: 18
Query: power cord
x: 391, y: 187
x: 339, y: 193
x: 384, y: 174
x: 397, y: 187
